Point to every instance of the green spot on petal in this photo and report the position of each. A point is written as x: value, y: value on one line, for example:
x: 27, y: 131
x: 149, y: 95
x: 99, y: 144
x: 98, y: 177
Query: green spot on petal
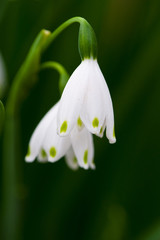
x: 85, y: 157
x: 63, y: 127
x: 52, y: 152
x: 79, y: 122
x: 95, y: 122
x: 28, y: 151
x: 43, y: 153
x: 101, y: 130
x: 114, y: 132
x: 75, y: 160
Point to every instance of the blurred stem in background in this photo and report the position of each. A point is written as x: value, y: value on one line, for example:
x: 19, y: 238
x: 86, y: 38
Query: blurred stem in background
x: 24, y: 80
x: 153, y: 233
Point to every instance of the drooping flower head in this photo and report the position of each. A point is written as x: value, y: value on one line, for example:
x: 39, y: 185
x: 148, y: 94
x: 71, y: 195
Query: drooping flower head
x: 46, y: 145
x: 85, y: 108
x: 86, y: 98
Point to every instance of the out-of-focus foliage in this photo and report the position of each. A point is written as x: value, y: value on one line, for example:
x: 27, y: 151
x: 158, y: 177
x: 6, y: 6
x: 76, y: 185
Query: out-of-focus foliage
x: 2, y: 116
x: 121, y: 199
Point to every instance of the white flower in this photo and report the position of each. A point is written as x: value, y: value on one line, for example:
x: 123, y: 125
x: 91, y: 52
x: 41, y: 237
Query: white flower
x: 86, y: 99
x: 47, y: 145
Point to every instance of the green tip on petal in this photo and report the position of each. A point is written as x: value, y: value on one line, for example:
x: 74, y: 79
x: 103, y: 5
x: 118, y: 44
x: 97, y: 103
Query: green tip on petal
x: 43, y: 153
x: 28, y: 152
x: 75, y: 160
x: 85, y: 157
x: 52, y: 152
x: 95, y: 122
x: 101, y: 130
x: 79, y: 122
x: 114, y: 135
x: 63, y: 127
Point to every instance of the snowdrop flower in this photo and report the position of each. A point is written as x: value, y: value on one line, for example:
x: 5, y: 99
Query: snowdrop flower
x: 47, y: 145
x: 86, y: 100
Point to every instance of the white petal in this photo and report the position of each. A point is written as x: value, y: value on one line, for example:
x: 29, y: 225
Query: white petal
x: 72, y: 99
x: 100, y: 134
x: 108, y: 107
x: 81, y: 143
x: 39, y: 133
x: 93, y: 111
x: 71, y: 159
x: 54, y: 145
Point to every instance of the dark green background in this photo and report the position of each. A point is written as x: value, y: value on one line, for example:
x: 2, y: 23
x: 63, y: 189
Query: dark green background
x: 121, y: 199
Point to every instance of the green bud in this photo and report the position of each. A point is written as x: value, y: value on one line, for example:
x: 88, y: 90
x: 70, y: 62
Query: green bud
x: 87, y: 42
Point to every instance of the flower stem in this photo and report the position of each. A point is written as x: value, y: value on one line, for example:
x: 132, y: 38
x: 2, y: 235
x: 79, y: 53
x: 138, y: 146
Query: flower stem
x: 53, y: 65
x: 63, y: 26
x: 12, y: 169
x: 87, y: 42
x: 64, y: 76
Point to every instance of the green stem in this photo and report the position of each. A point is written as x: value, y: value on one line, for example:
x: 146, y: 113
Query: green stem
x: 12, y: 203
x: 60, y: 29
x: 87, y: 42
x: 53, y: 65
x: 23, y: 81
x: 26, y: 77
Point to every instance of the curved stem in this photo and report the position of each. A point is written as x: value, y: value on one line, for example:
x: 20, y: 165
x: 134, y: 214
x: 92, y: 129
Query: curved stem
x: 12, y: 169
x: 87, y: 43
x: 26, y: 76
x: 64, y: 76
x: 53, y: 65
x: 60, y: 29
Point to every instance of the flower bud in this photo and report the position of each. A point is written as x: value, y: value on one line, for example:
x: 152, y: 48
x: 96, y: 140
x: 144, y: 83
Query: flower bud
x: 87, y: 42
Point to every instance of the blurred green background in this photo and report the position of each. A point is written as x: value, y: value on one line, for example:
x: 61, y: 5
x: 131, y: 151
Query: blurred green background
x: 120, y: 200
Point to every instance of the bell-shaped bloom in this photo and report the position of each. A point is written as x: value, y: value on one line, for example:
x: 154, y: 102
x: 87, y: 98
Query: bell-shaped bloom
x: 86, y: 100
x: 46, y: 145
